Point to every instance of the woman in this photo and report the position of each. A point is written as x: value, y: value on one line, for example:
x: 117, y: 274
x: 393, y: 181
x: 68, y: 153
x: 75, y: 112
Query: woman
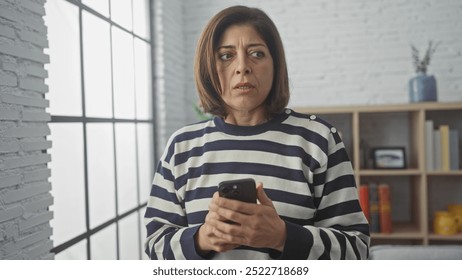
x: 309, y: 207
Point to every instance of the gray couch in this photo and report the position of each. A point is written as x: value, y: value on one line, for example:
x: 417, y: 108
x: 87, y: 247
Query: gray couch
x: 415, y: 252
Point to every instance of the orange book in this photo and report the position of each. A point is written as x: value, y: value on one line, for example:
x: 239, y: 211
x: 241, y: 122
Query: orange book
x: 385, y: 208
x: 364, y: 200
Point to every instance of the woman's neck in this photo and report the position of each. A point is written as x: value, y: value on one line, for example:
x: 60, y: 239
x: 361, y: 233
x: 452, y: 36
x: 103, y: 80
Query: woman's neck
x: 246, y: 118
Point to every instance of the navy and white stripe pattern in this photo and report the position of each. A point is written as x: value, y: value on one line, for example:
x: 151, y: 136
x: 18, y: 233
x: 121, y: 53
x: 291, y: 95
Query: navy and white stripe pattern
x: 304, y: 168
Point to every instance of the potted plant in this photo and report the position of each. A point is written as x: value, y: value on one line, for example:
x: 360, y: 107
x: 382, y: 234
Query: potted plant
x: 201, y: 115
x: 422, y: 87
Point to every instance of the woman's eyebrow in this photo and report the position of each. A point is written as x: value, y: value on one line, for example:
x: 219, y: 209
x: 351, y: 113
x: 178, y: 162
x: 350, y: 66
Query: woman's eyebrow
x: 248, y: 46
x: 226, y: 47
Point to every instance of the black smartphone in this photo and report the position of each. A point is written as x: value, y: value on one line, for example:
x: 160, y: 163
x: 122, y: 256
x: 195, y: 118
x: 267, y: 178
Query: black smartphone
x: 242, y: 189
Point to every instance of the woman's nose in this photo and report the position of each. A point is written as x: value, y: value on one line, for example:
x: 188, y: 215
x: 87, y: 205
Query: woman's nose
x: 243, y: 66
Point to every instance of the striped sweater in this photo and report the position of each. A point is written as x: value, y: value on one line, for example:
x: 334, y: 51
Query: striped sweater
x: 305, y: 171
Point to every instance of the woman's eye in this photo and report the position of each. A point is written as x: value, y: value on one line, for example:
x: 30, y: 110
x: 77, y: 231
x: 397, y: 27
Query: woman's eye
x: 257, y: 54
x: 225, y: 56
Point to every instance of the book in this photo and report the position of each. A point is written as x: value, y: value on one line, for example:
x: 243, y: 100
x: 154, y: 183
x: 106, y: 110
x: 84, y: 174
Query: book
x: 429, y: 159
x: 454, y: 149
x: 384, y: 208
x: 374, y: 208
x: 437, y: 149
x: 445, y: 157
x: 364, y: 200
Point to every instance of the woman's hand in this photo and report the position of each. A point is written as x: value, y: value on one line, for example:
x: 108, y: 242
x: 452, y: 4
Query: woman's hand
x: 254, y: 225
x: 206, y: 239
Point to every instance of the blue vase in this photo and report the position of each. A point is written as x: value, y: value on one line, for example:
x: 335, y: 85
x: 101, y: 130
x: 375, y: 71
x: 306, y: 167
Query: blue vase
x: 422, y: 88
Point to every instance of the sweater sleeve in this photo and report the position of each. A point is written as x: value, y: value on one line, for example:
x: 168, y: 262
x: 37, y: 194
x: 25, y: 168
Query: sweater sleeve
x: 168, y: 234
x: 340, y: 229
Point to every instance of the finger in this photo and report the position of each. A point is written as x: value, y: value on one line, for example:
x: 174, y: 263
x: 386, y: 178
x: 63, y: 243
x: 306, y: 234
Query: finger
x: 227, y: 235
x: 209, y: 238
x: 231, y: 215
x: 212, y: 218
x: 262, y: 197
x: 232, y: 204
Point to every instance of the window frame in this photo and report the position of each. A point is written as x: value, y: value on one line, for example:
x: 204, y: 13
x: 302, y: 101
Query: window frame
x: 89, y: 232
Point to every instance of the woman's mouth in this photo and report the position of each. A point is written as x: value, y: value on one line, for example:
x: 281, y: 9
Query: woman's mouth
x: 244, y: 87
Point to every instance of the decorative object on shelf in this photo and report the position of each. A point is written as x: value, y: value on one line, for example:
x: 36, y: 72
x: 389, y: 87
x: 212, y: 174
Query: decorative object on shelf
x: 456, y: 210
x: 445, y: 223
x: 422, y: 87
x: 389, y: 158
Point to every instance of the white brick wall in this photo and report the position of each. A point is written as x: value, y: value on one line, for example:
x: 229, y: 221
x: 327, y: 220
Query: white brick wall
x: 170, y: 68
x: 24, y: 188
x: 343, y: 52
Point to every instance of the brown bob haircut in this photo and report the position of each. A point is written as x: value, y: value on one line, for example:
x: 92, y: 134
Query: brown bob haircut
x: 205, y: 70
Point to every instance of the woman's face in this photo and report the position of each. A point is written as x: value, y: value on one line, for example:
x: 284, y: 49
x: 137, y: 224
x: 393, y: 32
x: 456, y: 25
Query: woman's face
x: 245, y: 70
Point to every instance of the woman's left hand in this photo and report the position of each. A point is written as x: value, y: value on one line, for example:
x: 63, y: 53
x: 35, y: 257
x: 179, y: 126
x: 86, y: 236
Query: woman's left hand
x: 255, y: 225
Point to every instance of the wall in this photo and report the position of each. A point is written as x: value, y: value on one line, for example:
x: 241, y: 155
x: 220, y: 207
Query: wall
x: 343, y: 52
x: 170, y: 69
x: 24, y: 188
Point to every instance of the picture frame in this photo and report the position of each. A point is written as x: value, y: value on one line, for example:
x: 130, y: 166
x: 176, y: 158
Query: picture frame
x: 389, y: 158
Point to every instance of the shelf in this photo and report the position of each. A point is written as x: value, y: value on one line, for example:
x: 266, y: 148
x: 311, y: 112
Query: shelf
x: 445, y: 173
x: 416, y: 192
x: 398, y: 235
x: 400, y: 232
x: 455, y: 237
x: 402, y: 235
x: 437, y: 106
x: 389, y: 172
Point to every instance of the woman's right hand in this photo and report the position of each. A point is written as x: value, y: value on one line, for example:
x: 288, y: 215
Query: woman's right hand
x: 206, y: 239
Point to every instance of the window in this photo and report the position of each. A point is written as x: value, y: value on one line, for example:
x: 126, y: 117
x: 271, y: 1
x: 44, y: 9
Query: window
x: 102, y: 129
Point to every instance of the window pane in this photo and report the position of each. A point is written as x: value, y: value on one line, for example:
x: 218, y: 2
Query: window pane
x: 129, y: 237
x: 97, y: 66
x: 143, y: 80
x: 126, y: 167
x: 124, y: 80
x: 101, y: 181
x: 67, y: 180
x: 143, y: 234
x: 101, y: 6
x: 141, y: 18
x: 64, y: 81
x: 145, y: 160
x: 121, y: 13
x: 75, y: 252
x: 103, y: 244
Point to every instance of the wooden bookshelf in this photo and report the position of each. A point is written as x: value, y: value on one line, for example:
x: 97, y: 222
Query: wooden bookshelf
x: 417, y: 192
